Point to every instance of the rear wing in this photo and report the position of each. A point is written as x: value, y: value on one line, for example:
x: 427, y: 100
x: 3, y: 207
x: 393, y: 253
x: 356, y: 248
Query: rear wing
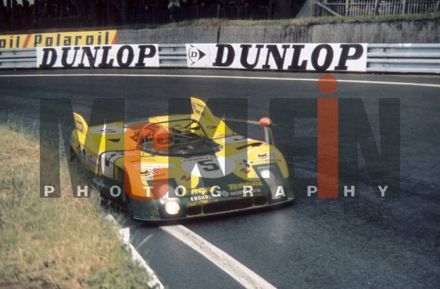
x: 80, y: 124
x: 204, y: 115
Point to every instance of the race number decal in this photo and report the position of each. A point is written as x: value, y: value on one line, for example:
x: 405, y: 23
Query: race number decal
x: 208, y: 166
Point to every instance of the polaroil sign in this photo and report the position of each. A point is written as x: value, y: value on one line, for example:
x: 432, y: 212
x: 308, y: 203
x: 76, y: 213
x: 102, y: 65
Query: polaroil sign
x: 101, y: 37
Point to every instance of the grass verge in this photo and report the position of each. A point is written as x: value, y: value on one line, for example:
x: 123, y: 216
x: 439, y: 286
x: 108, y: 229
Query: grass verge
x: 53, y: 243
x: 306, y: 21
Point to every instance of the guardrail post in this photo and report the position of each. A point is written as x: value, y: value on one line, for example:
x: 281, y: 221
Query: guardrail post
x: 376, y: 6
x: 438, y: 5
x: 347, y: 5
x: 403, y: 7
x: 322, y: 6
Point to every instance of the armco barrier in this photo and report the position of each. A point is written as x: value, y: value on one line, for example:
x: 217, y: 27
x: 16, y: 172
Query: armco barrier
x: 392, y: 58
x: 18, y: 58
x: 172, y: 55
x: 404, y: 58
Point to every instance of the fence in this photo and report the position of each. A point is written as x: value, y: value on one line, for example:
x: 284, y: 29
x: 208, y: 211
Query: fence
x: 98, y: 13
x: 392, y: 58
x: 374, y: 7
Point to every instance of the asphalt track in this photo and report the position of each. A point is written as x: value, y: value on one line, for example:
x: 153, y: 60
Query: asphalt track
x: 347, y: 243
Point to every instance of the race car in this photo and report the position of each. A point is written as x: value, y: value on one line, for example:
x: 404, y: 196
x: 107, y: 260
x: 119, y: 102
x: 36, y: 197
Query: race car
x: 182, y: 166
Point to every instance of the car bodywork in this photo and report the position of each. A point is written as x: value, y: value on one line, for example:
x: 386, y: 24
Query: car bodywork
x: 181, y: 166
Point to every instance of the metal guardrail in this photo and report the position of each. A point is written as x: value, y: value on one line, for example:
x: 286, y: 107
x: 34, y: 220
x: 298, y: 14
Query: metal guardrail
x: 403, y: 58
x: 18, y: 58
x: 395, y: 58
x: 172, y: 55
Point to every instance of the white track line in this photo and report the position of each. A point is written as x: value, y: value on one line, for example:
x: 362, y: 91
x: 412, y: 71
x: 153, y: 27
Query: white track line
x: 242, y: 274
x: 124, y: 235
x: 224, y: 77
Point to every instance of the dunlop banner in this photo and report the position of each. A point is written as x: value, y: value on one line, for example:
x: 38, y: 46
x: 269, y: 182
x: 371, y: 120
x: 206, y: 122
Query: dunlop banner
x: 101, y: 37
x: 279, y: 56
x: 105, y: 56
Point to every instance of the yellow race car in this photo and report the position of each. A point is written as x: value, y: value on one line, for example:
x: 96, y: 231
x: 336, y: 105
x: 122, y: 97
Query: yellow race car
x: 182, y: 166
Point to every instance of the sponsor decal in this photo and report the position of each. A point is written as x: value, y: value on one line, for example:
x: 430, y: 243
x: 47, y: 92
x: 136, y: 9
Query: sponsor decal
x: 266, y: 156
x: 151, y: 174
x: 214, y: 192
x: 288, y: 57
x: 101, y: 37
x: 197, y: 107
x: 194, y: 54
x: 149, y: 166
x: 151, y: 171
x: 253, y: 184
x: 106, y: 56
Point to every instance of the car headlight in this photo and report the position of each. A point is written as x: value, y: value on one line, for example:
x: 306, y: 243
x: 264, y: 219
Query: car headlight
x: 171, y: 205
x: 266, y: 174
x: 172, y: 208
x: 274, y: 182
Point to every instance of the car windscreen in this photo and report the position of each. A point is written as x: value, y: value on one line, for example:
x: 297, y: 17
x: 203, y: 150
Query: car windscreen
x: 183, y: 138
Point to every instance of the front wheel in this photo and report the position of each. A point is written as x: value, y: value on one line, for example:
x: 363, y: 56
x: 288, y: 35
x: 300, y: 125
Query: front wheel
x: 127, y: 205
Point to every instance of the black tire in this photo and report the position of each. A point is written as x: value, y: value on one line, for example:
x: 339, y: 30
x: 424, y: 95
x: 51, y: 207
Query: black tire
x: 128, y: 207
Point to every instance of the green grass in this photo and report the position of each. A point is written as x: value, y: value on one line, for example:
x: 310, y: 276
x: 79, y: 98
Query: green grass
x: 306, y: 21
x: 53, y: 243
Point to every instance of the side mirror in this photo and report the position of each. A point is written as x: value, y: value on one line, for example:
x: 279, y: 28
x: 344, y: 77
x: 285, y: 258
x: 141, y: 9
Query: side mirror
x: 265, y: 122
